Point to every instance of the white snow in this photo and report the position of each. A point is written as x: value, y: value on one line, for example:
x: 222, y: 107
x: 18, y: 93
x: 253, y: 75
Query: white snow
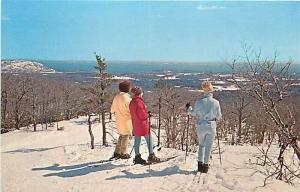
x: 218, y: 88
x: 225, y: 88
x: 225, y: 75
x: 204, y: 79
x: 171, y: 77
x: 238, y: 79
x: 195, y: 90
x: 62, y: 161
x: 115, y: 77
x: 219, y: 82
x: 124, y: 78
x: 296, y: 84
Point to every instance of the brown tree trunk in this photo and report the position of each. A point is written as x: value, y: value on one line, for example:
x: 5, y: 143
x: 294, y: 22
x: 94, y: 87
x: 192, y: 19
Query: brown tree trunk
x: 239, y: 139
x: 262, y: 137
x: 232, y: 136
x: 4, y: 100
x: 43, y: 108
x: 91, y: 132
x: 104, y: 143
x: 17, y: 122
x: 46, y: 121
x: 34, y: 126
x: 296, y: 149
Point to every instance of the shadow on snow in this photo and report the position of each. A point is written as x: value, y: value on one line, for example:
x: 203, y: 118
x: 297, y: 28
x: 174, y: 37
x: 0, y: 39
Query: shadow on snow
x: 25, y: 150
x: 152, y: 173
x: 77, y: 170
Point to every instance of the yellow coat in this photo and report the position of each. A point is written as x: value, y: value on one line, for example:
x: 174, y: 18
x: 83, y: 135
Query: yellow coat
x: 120, y: 107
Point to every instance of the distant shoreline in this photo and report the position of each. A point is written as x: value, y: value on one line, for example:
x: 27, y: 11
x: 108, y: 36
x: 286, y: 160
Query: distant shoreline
x: 134, y: 61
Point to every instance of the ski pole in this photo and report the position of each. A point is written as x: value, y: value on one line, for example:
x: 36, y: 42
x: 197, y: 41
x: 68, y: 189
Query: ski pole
x: 149, y: 114
x: 219, y: 147
x: 159, y: 121
x: 187, y: 137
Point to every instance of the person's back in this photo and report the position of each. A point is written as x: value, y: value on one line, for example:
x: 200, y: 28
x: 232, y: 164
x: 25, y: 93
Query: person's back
x: 140, y: 122
x: 139, y: 116
x: 120, y: 107
x: 207, y: 109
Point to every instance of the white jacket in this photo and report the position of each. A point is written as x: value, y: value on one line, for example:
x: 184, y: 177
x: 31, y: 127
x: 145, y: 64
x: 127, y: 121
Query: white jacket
x: 206, y: 109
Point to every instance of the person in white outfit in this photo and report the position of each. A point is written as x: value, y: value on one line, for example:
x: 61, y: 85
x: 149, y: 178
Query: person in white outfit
x: 207, y: 111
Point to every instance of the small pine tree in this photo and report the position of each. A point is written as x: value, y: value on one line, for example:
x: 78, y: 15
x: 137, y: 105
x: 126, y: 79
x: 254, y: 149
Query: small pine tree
x: 102, y: 91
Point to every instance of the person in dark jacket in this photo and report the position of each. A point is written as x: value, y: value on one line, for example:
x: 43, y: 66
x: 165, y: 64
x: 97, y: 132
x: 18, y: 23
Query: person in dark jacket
x: 140, y: 123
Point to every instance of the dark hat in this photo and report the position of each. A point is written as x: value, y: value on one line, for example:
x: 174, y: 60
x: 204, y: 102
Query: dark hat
x: 125, y: 86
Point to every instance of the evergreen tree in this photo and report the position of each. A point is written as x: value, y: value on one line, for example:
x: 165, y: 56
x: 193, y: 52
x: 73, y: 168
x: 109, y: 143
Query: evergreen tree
x: 102, y: 92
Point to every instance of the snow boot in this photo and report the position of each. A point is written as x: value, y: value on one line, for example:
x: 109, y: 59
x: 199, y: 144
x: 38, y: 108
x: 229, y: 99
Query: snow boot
x: 116, y: 156
x: 153, y: 159
x: 125, y: 156
x: 204, y: 168
x: 139, y: 160
x: 200, y: 168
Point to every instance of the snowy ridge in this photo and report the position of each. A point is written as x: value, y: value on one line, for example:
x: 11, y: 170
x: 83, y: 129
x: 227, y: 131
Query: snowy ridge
x: 62, y: 161
x: 22, y: 66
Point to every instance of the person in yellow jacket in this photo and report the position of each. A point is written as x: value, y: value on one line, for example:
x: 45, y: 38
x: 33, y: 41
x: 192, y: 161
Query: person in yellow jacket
x: 120, y: 107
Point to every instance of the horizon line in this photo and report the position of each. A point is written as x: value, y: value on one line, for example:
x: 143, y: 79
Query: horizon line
x: 123, y: 61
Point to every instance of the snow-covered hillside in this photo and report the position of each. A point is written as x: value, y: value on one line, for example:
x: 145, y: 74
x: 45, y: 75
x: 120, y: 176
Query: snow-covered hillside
x: 22, y: 66
x: 62, y: 161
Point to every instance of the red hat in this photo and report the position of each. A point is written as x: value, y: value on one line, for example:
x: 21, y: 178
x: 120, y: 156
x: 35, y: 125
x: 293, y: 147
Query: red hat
x: 136, y: 90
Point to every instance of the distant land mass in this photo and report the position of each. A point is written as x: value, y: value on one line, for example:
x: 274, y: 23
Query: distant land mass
x: 23, y: 66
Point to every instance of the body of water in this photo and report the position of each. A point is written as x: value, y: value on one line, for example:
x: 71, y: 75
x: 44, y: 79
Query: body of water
x: 135, y: 67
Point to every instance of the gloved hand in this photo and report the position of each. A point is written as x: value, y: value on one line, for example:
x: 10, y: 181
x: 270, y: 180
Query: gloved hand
x: 149, y: 112
x: 187, y: 106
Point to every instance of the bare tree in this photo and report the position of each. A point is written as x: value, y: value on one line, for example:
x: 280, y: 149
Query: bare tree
x: 17, y: 95
x: 4, y: 99
x: 240, y: 112
x: 170, y: 110
x: 29, y: 99
x: 268, y: 82
x: 33, y: 98
x: 88, y: 107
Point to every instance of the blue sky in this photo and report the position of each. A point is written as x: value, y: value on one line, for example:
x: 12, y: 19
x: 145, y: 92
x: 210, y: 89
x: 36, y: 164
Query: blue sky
x: 172, y: 31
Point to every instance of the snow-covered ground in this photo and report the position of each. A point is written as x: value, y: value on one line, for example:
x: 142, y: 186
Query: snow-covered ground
x: 173, y: 77
x: 62, y: 161
x: 22, y: 66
